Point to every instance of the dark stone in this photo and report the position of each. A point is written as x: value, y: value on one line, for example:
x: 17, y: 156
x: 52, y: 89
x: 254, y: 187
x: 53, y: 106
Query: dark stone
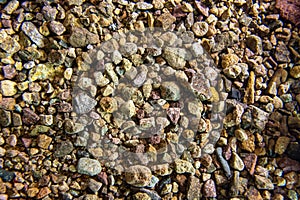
x: 6, y: 176
x: 65, y: 148
x: 30, y: 117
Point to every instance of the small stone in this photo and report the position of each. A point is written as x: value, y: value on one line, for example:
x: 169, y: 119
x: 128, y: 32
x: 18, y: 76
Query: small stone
x: 282, y: 54
x: 232, y: 71
x: 166, y: 19
x: 282, y: 144
x: 94, y: 185
x: 11, y: 6
x: 108, y: 104
x: 223, y: 162
x: 197, y: 50
x: 250, y: 162
x: 32, y: 32
x: 138, y: 176
x: 6, y: 176
x: 88, y: 166
x: 68, y: 73
x: 183, y: 166
x: 162, y: 169
x: 43, y: 192
x: 295, y: 71
x: 144, y: 6
x: 84, y: 103
x: 241, y: 134
x: 255, y: 44
x: 253, y: 193
x: 116, y: 57
x: 236, y: 162
x: 128, y: 49
x: 8, y: 88
x: 229, y: 60
x: 81, y: 37
x: 292, y: 194
x: 32, y: 192
x: 29, y: 117
x: 260, y: 117
x: 209, y: 189
x: 263, y: 183
x: 141, y: 195
x: 44, y: 141
x: 194, y: 189
x: 57, y: 27
x: 9, y: 71
x: 176, y: 57
x: 170, y: 91
x: 65, y: 148
x: 200, y: 28
x: 2, y: 152
x: 8, y: 103
x: 5, y: 118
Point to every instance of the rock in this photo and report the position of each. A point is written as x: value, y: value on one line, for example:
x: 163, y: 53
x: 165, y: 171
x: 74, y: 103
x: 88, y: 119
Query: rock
x: 5, y: 118
x: 29, y: 117
x: 194, y: 188
x: 223, y: 162
x: 166, y: 19
x: 263, y: 183
x: 88, y: 166
x: 255, y: 44
x: 43, y: 192
x: 162, y: 169
x: 229, y: 60
x: 138, y: 176
x: 282, y: 144
x: 84, y: 103
x: 57, y: 27
x: 11, y: 6
x: 241, y: 134
x: 128, y: 49
x: 249, y: 93
x: 183, y: 166
x: 250, y: 162
x: 75, y: 2
x: 108, y: 104
x: 32, y: 32
x: 170, y: 91
x: 141, y: 195
x: 8, y: 88
x: 209, y: 189
x: 94, y: 185
x: 44, y: 141
x: 173, y: 114
x: 249, y: 145
x: 200, y: 28
x: 68, y: 73
x: 176, y: 57
x: 6, y: 176
x: 224, y: 40
x: 201, y: 86
x: 128, y: 109
x: 282, y: 54
x: 197, y: 50
x: 116, y: 57
x: 260, y: 117
x: 253, y: 193
x: 42, y: 72
x: 81, y: 37
x: 2, y: 152
x: 236, y: 162
x: 8, y: 103
x: 9, y: 71
x: 49, y: 13
x: 32, y: 192
x: 65, y: 148
x: 144, y: 6
x: 8, y: 44
x: 232, y: 71
x: 295, y: 71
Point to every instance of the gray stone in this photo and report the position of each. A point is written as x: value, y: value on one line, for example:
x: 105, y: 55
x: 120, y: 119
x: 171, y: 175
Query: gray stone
x: 176, y: 57
x: 88, y: 166
x: 32, y: 32
x: 128, y: 49
x: 94, y: 185
x: 144, y: 6
x: 84, y: 103
x: 170, y: 91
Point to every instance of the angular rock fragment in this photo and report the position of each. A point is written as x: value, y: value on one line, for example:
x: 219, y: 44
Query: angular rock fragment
x: 84, y: 103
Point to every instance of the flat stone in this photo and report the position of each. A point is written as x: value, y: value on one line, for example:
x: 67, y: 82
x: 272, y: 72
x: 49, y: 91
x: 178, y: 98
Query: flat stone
x: 138, y: 176
x: 263, y: 183
x: 183, y: 166
x: 84, y: 103
x: 94, y: 185
x: 8, y: 88
x: 253, y: 193
x: 32, y: 32
x: 32, y: 192
x: 88, y: 166
x: 282, y: 54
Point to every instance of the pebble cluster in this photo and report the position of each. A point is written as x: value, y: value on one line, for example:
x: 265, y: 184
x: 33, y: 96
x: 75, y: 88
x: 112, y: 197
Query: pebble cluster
x: 80, y: 94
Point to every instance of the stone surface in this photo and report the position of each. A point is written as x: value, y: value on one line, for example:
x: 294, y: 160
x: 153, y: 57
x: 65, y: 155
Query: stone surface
x: 194, y: 189
x: 57, y: 27
x: 183, y: 166
x: 88, y: 166
x: 250, y: 162
x: 29, y: 117
x: 64, y: 148
x: 138, y: 176
x: 236, y: 162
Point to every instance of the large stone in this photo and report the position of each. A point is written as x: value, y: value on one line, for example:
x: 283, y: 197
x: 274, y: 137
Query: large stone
x: 32, y: 32
x: 88, y: 166
x: 8, y: 88
x: 138, y: 176
x: 176, y: 57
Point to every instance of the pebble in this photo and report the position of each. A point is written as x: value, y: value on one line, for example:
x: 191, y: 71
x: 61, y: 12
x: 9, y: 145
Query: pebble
x: 255, y: 44
x: 5, y: 118
x: 81, y: 37
x: 141, y: 195
x: 8, y: 88
x: 84, y: 103
x: 170, y: 91
x: 44, y: 141
x: 295, y: 71
x: 200, y: 28
x: 32, y: 192
x: 94, y: 185
x: 144, y: 6
x: 64, y: 148
x: 166, y: 19
x: 176, y: 57
x: 29, y: 117
x: 250, y: 89
x: 253, y: 193
x: 88, y: 166
x: 232, y: 71
x: 241, y: 134
x: 250, y: 162
x: 263, y: 183
x: 183, y: 166
x: 282, y: 144
x: 32, y: 32
x: 209, y: 189
x: 223, y: 162
x: 138, y: 176
x: 9, y: 71
x: 43, y: 192
x: 194, y: 189
x: 6, y: 176
x: 229, y: 60
x: 236, y: 162
x: 109, y: 104
x: 282, y: 54
x: 57, y: 27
